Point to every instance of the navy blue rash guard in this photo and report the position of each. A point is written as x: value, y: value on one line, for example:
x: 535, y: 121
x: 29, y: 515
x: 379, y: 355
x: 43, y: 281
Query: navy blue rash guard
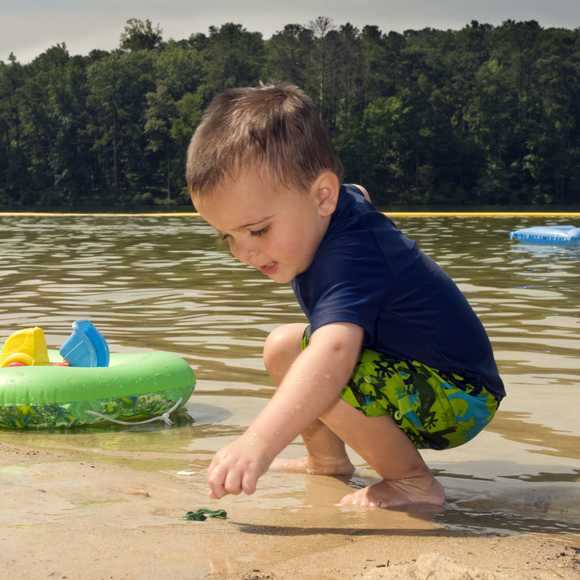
x: 366, y: 272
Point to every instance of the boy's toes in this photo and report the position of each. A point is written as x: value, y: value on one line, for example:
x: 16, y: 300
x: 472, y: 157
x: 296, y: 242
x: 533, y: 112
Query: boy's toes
x: 359, y: 498
x: 396, y: 493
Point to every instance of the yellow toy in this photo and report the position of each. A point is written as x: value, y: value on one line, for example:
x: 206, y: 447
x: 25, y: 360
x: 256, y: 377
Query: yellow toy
x: 25, y: 347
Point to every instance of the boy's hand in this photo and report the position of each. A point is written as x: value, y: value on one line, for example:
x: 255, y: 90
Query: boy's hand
x: 237, y: 467
x: 321, y: 370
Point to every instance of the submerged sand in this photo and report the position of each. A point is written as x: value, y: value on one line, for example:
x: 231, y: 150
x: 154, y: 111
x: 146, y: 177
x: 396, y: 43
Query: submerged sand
x: 63, y: 516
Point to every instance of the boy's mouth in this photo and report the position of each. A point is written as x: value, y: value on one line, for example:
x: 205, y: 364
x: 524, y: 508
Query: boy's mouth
x: 269, y: 269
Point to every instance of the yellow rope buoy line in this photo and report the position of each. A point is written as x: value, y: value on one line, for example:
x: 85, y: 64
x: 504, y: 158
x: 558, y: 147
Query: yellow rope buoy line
x: 96, y: 214
x: 395, y: 214
x: 486, y: 214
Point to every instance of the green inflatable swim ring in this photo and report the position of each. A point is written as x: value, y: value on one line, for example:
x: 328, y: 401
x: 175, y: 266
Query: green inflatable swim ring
x: 134, y: 388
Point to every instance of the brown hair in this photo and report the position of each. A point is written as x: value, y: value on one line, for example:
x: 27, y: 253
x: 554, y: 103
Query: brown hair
x: 274, y: 126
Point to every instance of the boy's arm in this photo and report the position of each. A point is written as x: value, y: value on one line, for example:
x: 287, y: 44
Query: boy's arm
x: 311, y: 386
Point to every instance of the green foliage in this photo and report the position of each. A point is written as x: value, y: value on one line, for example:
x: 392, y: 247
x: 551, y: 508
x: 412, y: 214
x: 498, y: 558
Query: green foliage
x: 233, y: 57
x: 481, y: 115
x: 288, y: 54
x: 117, y: 97
x: 140, y: 35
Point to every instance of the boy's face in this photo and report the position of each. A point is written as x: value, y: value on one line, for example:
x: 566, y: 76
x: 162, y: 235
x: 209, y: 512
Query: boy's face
x: 269, y: 226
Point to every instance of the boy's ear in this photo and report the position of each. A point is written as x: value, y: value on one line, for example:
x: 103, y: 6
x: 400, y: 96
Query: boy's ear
x: 325, y: 190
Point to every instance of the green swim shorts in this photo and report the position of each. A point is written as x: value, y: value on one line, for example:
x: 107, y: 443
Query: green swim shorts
x: 435, y: 409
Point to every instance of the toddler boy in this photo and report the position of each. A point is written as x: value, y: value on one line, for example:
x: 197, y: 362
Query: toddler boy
x: 393, y: 359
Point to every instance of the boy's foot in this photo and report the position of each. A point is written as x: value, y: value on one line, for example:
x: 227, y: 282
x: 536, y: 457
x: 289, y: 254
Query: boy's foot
x: 424, y: 489
x: 314, y: 466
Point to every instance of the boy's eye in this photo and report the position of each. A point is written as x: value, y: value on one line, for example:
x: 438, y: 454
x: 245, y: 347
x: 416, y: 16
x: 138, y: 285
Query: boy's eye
x: 261, y: 232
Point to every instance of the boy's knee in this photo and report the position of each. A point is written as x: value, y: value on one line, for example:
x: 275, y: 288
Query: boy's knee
x: 282, y: 346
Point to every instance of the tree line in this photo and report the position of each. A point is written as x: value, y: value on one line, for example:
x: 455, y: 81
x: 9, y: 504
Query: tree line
x: 485, y: 115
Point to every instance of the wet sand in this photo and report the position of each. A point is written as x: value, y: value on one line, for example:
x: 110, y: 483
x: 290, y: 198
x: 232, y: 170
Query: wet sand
x: 70, y: 515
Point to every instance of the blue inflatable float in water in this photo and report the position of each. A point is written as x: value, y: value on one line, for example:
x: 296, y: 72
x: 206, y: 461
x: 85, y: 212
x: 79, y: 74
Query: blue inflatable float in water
x: 557, y: 235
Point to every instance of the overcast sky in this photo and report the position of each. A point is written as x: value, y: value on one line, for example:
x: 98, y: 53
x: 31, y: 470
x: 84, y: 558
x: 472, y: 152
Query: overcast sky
x: 28, y: 27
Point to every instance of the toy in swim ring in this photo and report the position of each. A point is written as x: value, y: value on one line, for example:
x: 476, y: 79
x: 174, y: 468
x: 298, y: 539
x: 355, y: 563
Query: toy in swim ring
x: 560, y: 235
x: 85, y: 347
x: 134, y: 388
x: 25, y: 347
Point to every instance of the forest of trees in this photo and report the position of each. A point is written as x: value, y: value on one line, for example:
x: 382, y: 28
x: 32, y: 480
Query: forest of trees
x: 485, y: 115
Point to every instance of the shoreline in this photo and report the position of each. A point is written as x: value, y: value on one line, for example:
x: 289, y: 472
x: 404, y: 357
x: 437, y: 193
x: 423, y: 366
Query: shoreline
x: 91, y: 518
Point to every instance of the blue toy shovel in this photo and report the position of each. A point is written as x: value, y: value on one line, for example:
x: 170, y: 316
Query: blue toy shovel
x: 85, y: 347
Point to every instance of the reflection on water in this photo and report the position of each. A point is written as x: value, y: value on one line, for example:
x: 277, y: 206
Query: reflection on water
x: 161, y: 283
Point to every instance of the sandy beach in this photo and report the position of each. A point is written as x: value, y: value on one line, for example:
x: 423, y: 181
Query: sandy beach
x: 67, y: 516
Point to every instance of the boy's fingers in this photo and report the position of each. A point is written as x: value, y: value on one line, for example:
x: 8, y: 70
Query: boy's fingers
x: 217, y: 491
x: 215, y: 480
x: 233, y: 482
x: 217, y: 494
x: 249, y: 483
x: 212, y: 466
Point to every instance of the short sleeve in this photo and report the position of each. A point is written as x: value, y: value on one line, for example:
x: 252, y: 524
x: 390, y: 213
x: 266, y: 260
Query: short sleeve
x: 350, y: 283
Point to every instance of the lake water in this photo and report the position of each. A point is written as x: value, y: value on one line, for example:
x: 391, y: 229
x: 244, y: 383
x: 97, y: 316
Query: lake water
x: 161, y: 283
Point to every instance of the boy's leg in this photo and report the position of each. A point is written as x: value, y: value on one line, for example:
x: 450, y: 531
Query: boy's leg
x: 378, y: 440
x: 384, y: 446
x: 326, y: 451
